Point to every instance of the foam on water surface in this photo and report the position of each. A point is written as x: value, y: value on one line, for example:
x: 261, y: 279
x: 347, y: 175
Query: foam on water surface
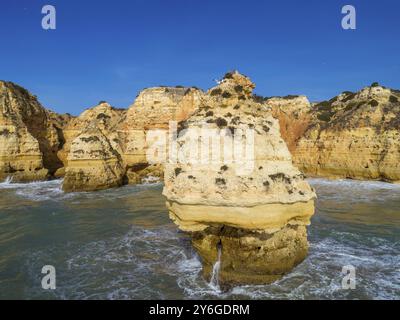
x: 120, y: 244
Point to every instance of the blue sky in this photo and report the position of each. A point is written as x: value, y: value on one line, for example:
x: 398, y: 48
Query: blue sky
x: 110, y: 50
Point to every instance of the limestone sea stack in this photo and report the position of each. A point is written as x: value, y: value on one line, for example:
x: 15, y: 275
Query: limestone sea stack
x: 354, y: 135
x: 254, y: 221
x: 93, y: 164
x: 92, y: 152
x: 30, y: 136
x: 103, y: 116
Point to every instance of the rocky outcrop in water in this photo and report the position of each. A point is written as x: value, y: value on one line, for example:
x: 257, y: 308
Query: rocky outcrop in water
x: 30, y: 136
x: 93, y: 164
x: 323, y: 137
x: 354, y: 135
x: 256, y: 218
x: 103, y: 116
x: 123, y: 137
x: 92, y: 148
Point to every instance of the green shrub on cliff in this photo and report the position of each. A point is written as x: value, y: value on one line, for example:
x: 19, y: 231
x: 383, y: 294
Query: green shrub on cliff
x: 325, y: 116
x: 216, y: 92
x: 373, y: 103
x: 5, y: 132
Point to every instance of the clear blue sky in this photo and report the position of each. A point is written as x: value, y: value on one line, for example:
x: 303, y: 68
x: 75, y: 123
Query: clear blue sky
x: 110, y: 50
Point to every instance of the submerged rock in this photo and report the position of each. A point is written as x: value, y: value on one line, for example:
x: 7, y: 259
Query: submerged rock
x: 255, y: 211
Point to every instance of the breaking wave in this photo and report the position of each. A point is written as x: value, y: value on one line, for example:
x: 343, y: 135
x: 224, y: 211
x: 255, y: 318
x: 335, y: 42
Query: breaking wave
x: 120, y: 244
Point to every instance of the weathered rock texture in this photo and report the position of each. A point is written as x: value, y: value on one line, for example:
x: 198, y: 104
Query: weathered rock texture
x: 30, y: 136
x: 258, y: 218
x: 293, y: 113
x: 93, y: 164
x: 119, y: 136
x: 153, y: 109
x: 92, y: 152
x: 103, y: 116
x: 354, y: 135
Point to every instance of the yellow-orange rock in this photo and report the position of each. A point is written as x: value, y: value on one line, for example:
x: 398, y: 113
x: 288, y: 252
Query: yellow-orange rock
x: 255, y: 218
x: 93, y: 164
x: 30, y: 136
x: 294, y: 115
x: 153, y: 109
x: 103, y: 116
x: 354, y: 135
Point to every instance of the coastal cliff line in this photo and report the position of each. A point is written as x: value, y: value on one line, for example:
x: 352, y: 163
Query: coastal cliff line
x: 39, y: 144
x: 249, y: 225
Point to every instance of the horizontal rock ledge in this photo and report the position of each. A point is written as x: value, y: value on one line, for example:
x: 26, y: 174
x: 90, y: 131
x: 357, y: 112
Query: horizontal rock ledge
x: 267, y: 217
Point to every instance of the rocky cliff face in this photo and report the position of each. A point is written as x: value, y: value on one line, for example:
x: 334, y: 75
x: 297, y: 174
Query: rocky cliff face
x: 93, y: 164
x: 253, y: 220
x: 293, y: 113
x: 153, y: 109
x: 103, y: 116
x: 30, y: 136
x: 323, y: 138
x: 92, y: 152
x: 121, y: 133
x: 354, y: 135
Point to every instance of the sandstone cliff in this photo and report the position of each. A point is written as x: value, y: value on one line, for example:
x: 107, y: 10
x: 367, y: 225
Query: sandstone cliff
x: 354, y: 135
x: 293, y: 113
x: 254, y: 220
x: 92, y: 152
x: 30, y: 136
x: 123, y: 134
x: 103, y: 116
x: 93, y: 164
x: 153, y: 109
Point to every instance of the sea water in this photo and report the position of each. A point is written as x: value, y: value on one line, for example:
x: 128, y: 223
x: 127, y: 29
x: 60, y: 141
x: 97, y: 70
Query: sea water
x: 120, y: 244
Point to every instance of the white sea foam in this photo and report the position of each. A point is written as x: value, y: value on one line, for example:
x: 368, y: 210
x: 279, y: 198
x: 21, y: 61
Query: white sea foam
x: 52, y: 190
x: 349, y: 183
x: 136, y: 265
x: 159, y: 262
x: 151, y: 180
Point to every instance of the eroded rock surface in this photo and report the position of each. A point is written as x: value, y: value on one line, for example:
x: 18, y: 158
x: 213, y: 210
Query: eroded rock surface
x: 153, y: 109
x: 93, y: 164
x: 258, y: 218
x: 354, y: 135
x: 123, y: 134
x: 30, y: 136
x: 293, y: 113
x: 103, y: 116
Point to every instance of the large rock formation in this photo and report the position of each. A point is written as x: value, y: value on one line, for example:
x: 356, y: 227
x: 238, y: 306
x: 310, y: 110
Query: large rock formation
x: 153, y: 109
x: 121, y: 137
x: 30, y: 136
x: 354, y: 135
x: 92, y: 152
x: 293, y: 113
x: 93, y: 164
x: 103, y: 116
x: 252, y: 214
